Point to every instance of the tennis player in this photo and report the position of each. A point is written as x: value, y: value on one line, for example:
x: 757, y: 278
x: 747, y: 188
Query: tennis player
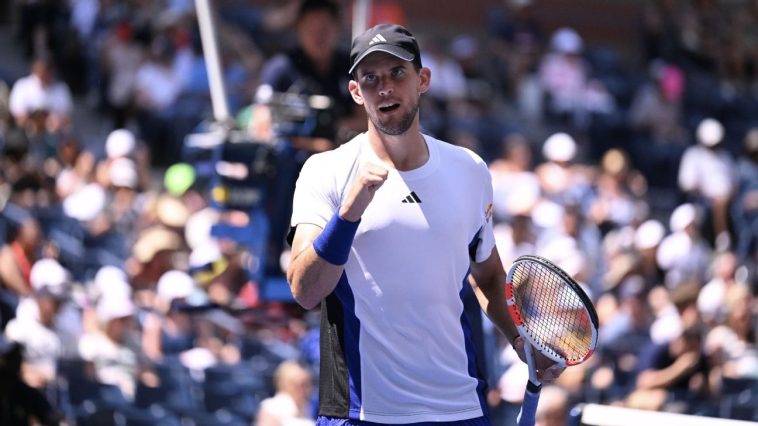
x: 386, y: 231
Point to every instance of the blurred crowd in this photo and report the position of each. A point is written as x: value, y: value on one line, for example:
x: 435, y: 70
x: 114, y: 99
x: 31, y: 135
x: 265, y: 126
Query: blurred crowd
x: 127, y: 294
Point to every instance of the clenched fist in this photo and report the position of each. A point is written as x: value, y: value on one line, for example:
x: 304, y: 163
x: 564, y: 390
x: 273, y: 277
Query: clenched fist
x: 368, y: 180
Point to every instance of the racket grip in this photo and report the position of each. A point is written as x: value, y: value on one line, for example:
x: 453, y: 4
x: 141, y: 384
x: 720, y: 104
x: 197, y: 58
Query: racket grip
x: 526, y: 417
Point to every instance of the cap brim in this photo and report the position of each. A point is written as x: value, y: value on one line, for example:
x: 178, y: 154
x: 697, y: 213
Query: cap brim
x: 395, y: 51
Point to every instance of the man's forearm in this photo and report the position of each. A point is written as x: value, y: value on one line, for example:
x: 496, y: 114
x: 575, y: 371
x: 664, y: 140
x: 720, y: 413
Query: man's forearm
x: 312, y: 278
x: 491, y: 297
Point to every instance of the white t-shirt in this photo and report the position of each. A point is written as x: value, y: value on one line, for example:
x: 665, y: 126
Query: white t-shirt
x: 42, y: 346
x: 396, y: 347
x: 284, y: 409
x: 707, y: 172
x: 29, y: 95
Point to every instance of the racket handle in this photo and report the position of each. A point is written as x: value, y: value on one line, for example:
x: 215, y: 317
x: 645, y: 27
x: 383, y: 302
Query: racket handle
x: 526, y: 417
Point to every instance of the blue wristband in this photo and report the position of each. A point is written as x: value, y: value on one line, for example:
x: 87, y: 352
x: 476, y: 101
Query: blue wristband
x: 333, y: 245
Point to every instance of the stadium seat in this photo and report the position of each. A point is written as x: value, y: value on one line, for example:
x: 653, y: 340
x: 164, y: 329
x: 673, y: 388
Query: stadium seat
x: 175, y: 392
x: 237, y: 388
x: 734, y: 386
x: 743, y: 406
x: 154, y: 416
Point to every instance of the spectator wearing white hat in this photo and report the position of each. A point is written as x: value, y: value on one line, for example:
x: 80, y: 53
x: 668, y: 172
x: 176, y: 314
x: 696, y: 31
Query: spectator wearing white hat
x: 565, y: 79
x: 561, y: 179
x: 122, y: 145
x: 35, y: 322
x: 113, y: 348
x: 712, y: 297
x: 684, y: 254
x: 707, y: 174
x: 124, y: 199
x: 167, y: 329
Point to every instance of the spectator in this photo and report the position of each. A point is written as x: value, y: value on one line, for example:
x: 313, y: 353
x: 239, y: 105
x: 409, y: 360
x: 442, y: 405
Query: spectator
x: 152, y: 256
x: 113, y: 349
x: 450, y: 82
x: 34, y: 325
x: 16, y: 260
x: 515, y: 186
x: 678, y: 367
x: 707, y: 175
x: 314, y: 66
x: 656, y: 110
x: 745, y: 200
x: 21, y: 404
x: 712, y: 297
x: 290, y: 406
x: 684, y: 254
x: 40, y: 98
x: 732, y: 345
x: 121, y: 57
x: 561, y: 179
x: 647, y: 240
x: 156, y: 89
x: 565, y: 77
x: 553, y: 408
x: 629, y: 327
x: 514, y: 238
x: 167, y: 330
x: 618, y: 187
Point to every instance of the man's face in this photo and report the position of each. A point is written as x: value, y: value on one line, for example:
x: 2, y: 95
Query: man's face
x: 389, y: 89
x: 317, y: 32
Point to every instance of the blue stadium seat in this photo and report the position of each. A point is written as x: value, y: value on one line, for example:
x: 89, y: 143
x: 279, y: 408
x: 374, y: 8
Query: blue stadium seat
x: 154, y: 416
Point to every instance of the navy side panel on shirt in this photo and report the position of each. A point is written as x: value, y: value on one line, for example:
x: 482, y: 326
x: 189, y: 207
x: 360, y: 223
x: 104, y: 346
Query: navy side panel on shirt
x: 340, y: 378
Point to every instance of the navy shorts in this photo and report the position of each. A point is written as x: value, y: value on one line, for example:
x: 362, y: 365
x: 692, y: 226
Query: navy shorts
x: 333, y: 421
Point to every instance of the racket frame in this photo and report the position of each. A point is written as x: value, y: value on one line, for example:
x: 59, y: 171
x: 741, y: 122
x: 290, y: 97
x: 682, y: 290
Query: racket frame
x: 526, y: 416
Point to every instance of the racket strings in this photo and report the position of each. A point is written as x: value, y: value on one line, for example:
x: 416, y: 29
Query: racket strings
x: 554, y: 314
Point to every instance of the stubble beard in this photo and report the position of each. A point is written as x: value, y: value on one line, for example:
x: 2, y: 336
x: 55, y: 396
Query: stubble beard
x: 400, y: 127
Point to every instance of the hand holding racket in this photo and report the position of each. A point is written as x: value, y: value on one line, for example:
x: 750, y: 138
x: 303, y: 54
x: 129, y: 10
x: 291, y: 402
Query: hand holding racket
x: 554, y: 318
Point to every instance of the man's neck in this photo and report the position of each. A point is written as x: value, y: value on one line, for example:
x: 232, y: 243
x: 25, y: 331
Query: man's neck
x: 401, y: 152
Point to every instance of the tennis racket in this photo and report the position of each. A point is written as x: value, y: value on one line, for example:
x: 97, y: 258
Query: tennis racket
x: 553, y: 315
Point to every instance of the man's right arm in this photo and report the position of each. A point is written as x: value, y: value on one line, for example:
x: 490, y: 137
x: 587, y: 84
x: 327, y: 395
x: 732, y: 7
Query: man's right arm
x: 319, y: 255
x: 311, y: 277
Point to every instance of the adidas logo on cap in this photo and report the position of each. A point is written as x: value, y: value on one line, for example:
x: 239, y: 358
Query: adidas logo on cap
x: 377, y: 39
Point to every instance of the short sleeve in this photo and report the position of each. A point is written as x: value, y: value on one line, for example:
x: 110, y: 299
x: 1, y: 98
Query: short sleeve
x: 314, y: 201
x: 486, y: 234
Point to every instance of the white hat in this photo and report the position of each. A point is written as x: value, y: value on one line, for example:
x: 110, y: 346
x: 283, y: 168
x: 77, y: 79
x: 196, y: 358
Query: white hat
x: 49, y: 276
x: 154, y: 240
x: 86, y: 203
x: 649, y: 234
x: 112, y: 281
x: 710, y: 132
x: 171, y: 211
x: 566, y: 40
x: 123, y: 173
x: 205, y: 254
x: 683, y: 216
x: 113, y: 307
x: 559, y: 147
x: 175, y: 285
x: 120, y: 143
x: 197, y: 231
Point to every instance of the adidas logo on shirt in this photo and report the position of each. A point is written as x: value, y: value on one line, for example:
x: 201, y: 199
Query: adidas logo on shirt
x: 377, y: 39
x: 412, y: 199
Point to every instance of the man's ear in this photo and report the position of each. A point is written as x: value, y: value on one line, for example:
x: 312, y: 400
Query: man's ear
x: 425, y: 75
x: 355, y: 92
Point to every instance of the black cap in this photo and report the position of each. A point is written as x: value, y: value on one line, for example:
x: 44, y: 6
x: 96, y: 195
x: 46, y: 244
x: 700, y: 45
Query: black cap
x: 388, y: 38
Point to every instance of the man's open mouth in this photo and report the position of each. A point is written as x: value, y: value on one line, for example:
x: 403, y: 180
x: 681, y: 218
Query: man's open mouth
x: 389, y: 107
